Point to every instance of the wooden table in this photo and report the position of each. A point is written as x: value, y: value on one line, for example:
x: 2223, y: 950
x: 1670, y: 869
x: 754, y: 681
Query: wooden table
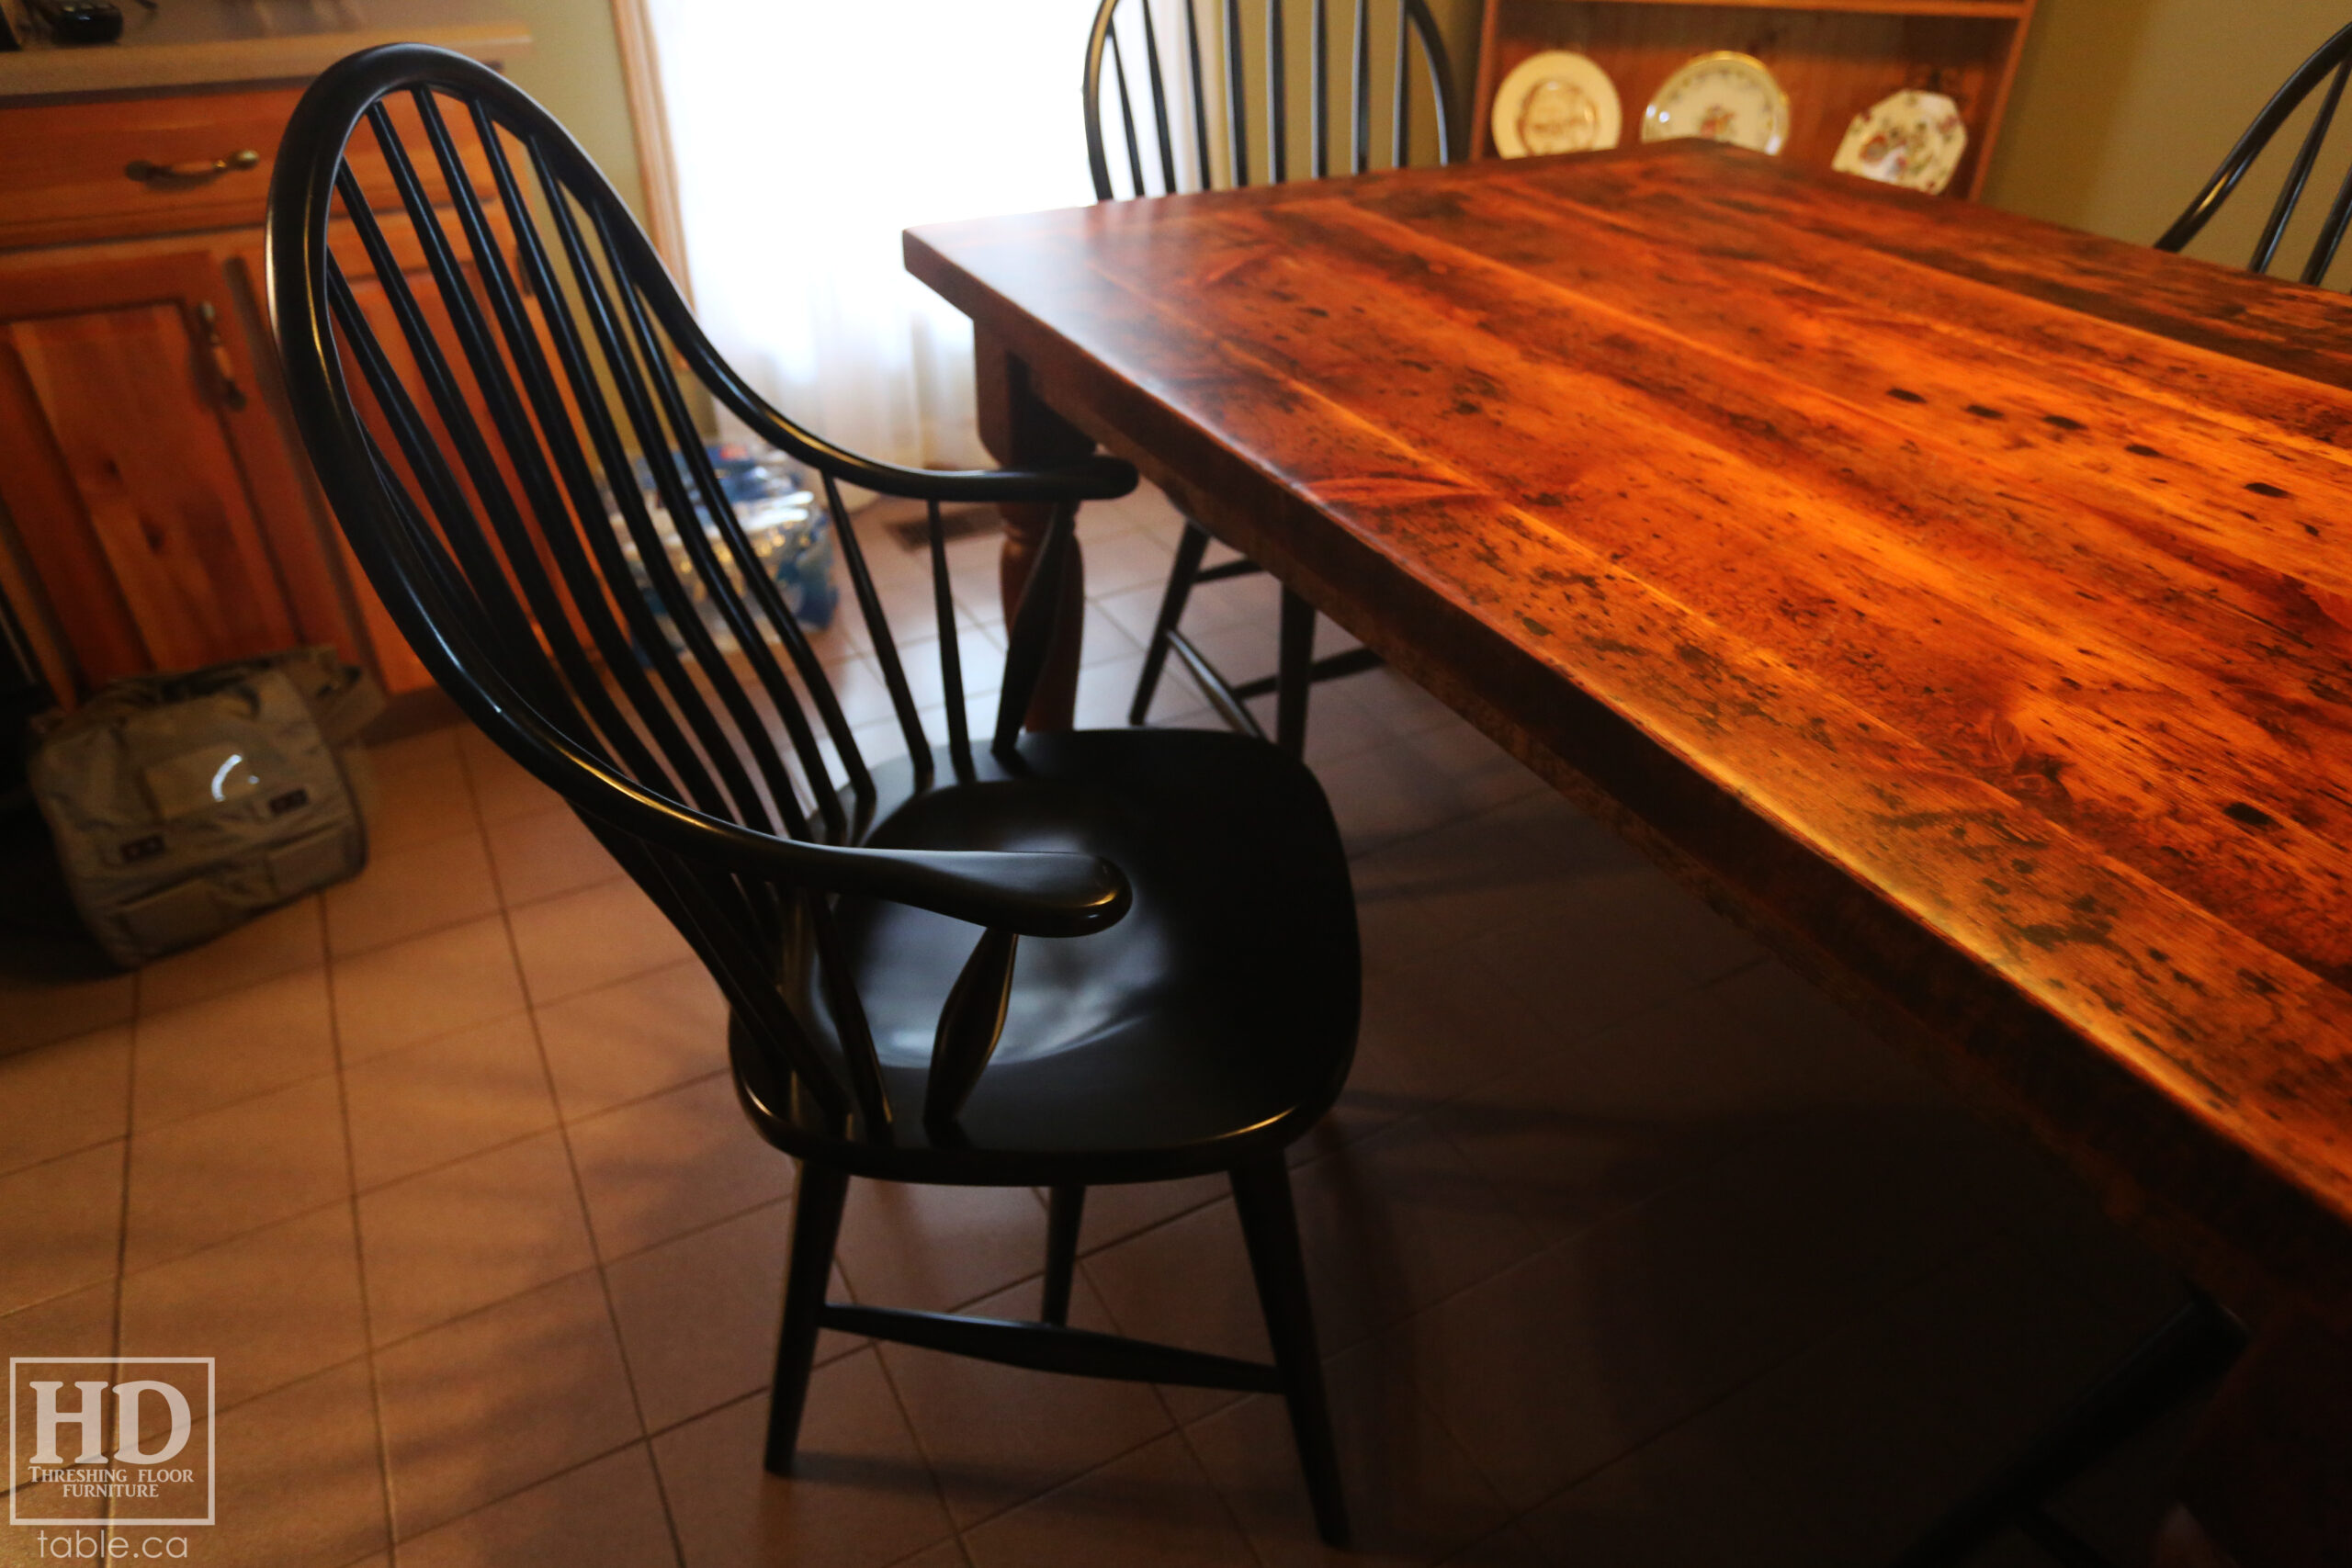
x: 1963, y: 603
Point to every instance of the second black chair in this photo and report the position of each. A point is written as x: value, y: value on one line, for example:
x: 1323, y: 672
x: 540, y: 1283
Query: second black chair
x: 1181, y: 123
x: 2332, y: 63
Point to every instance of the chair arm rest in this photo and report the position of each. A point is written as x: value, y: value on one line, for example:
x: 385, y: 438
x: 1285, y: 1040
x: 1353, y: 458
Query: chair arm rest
x: 1032, y: 892
x: 1095, y: 477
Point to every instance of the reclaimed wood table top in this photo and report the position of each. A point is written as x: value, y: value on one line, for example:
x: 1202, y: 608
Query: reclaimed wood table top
x: 1963, y: 602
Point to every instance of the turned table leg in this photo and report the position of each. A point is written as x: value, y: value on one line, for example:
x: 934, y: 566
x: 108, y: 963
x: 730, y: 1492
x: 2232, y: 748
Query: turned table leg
x: 1020, y: 432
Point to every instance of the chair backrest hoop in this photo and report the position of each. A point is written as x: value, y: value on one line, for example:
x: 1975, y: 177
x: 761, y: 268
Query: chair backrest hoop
x: 511, y: 539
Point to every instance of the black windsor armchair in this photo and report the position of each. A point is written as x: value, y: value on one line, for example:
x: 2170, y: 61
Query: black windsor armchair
x: 2331, y: 62
x: 1176, y: 149
x: 1186, y: 999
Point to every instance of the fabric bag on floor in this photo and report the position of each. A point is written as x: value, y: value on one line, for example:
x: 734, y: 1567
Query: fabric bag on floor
x: 184, y: 805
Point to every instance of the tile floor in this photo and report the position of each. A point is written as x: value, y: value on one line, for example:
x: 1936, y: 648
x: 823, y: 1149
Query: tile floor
x: 1628, y: 1248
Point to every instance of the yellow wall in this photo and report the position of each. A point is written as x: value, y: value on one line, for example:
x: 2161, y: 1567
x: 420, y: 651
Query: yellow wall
x: 2124, y: 108
x: 575, y: 68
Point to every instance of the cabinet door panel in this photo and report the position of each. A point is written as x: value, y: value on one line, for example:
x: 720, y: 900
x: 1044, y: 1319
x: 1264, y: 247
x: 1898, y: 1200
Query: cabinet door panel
x: 132, y: 417
x: 122, y: 448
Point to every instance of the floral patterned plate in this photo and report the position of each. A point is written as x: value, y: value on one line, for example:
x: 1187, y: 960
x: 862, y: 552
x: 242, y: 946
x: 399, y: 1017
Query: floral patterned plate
x: 1725, y: 98
x: 1909, y: 139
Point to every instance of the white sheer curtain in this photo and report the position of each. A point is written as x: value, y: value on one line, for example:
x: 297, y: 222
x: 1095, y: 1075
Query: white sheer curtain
x: 807, y: 133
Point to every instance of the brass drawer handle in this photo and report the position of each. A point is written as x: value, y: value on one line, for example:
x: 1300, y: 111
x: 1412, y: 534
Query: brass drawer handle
x: 147, y: 173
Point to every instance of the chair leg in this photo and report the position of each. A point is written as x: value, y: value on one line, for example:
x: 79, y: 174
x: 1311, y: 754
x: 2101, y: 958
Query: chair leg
x: 2189, y: 1348
x: 1294, y: 674
x: 816, y: 1225
x: 1189, y: 551
x: 1270, y: 1227
x: 1065, y: 1208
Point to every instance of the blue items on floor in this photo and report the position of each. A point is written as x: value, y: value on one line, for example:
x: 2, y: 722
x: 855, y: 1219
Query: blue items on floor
x: 790, y: 537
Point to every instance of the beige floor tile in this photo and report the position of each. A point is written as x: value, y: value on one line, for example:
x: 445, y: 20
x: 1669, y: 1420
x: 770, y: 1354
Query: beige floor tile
x: 78, y: 1324
x: 1541, y: 1375
x: 859, y: 1497
x: 411, y: 890
x: 1603, y: 1120
x: 1187, y: 1283
x: 41, y: 1005
x: 299, y: 1480
x: 272, y: 1306
x: 1584, y: 977
x: 1847, y: 1453
x: 998, y: 1436
x: 946, y: 1554
x: 464, y: 1236
x: 1413, y: 1495
x: 422, y: 793
x: 1384, y: 1087
x: 698, y: 1315
x: 1117, y: 562
x: 425, y: 1105
x: 1106, y: 691
x: 425, y: 749
x: 428, y: 986
x: 481, y: 1408
x: 503, y: 790
x: 1419, y: 782
x: 1399, y: 703
x: 934, y: 1249
x: 280, y: 941
x: 1503, y: 869
x: 607, y: 1514
x: 643, y: 1035
x: 1395, y: 1223
x: 1154, y: 1504
x: 232, y: 1047
x: 1629, y: 941
x: 61, y: 1226
x: 1550, y: 1370
x: 658, y: 1167
x: 1340, y: 725
x: 1512, y: 1547
x: 1819, y: 1040
x: 592, y: 937
x: 23, y: 1546
x: 217, y: 1175
x: 64, y: 1095
x: 1145, y: 509
x: 1114, y: 1214
x: 546, y: 854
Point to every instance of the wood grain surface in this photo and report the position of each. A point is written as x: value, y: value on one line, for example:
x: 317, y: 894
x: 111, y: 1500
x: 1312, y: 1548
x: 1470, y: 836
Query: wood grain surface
x: 1963, y: 602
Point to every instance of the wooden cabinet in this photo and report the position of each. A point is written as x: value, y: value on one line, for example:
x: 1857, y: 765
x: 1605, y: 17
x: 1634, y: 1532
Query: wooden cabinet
x: 151, y: 490
x: 1834, y: 58
x: 155, y: 510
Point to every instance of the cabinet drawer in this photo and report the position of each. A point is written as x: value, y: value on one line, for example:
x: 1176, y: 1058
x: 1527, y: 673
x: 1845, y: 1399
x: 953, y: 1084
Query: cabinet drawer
x: 72, y: 171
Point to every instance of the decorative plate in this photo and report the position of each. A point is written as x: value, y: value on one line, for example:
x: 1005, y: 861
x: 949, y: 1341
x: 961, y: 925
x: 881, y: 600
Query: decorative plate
x: 1909, y: 139
x: 1725, y: 98
x: 1558, y: 101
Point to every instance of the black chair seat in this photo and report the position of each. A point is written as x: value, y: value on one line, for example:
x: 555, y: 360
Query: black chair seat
x: 1218, y: 1018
